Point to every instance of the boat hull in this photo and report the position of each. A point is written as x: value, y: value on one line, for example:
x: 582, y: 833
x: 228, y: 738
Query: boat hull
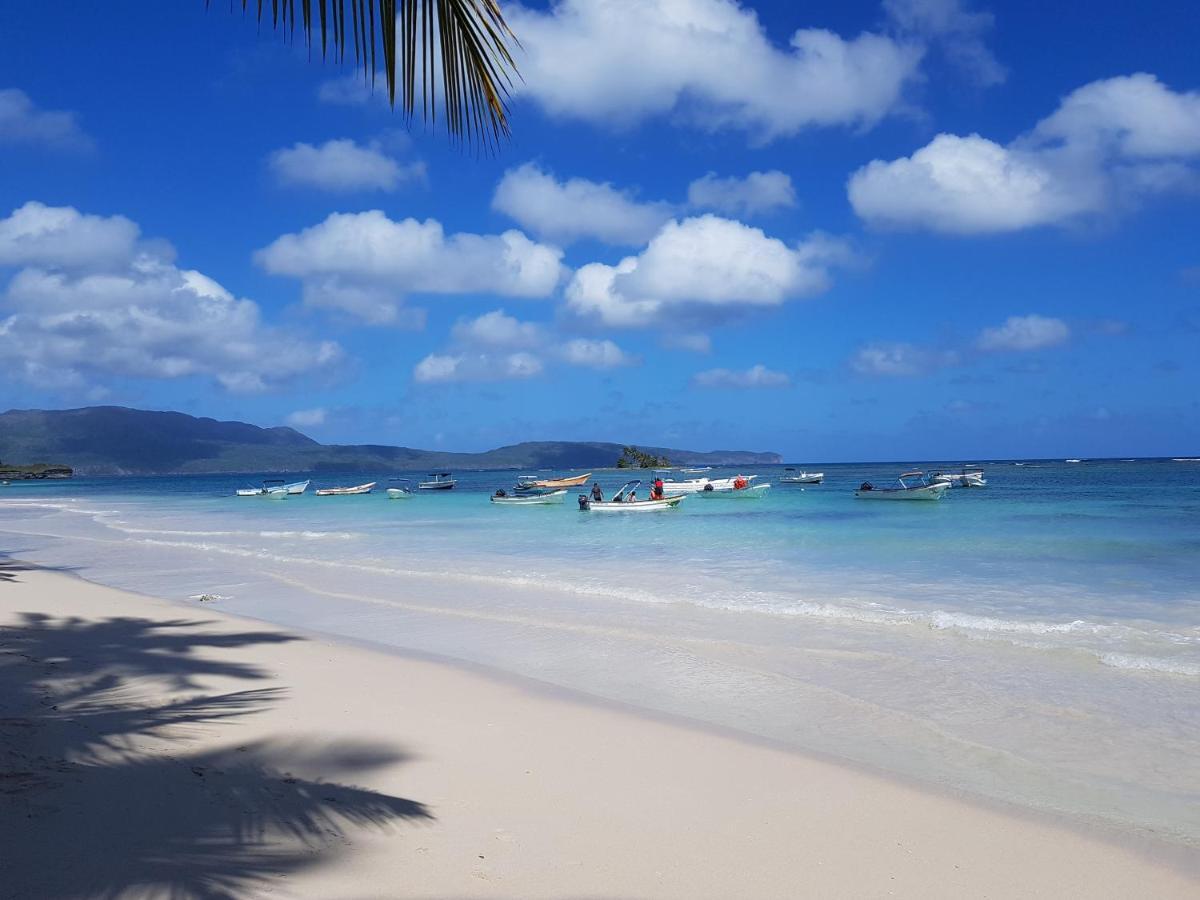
x: 532, y: 500
x: 805, y: 478
x: 399, y: 494
x: 635, y: 505
x: 924, y: 492
x: 435, y: 485
x: 554, y: 484
x: 346, y: 491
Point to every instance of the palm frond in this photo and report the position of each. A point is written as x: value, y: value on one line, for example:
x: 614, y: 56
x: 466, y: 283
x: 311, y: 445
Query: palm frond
x: 455, y: 53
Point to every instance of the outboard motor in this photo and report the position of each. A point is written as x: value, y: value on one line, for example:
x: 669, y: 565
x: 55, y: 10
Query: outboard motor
x: 584, y: 503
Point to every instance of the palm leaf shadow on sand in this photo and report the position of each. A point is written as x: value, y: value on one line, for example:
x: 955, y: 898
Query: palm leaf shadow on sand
x: 102, y: 796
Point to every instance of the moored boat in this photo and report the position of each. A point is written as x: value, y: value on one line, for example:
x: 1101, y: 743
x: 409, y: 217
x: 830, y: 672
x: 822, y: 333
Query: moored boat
x: 541, y: 499
x: 271, y: 487
x: 531, y: 483
x: 969, y: 477
x: 746, y: 492
x: 622, y: 501
x: 296, y: 487
x: 909, y: 486
x: 438, y: 481
x: 801, y: 477
x: 402, y: 490
x: 346, y: 491
x: 695, y: 485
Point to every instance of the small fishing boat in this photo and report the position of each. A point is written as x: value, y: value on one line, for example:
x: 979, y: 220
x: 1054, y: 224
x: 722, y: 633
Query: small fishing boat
x: 531, y: 483
x: 801, y: 477
x: 403, y: 489
x: 296, y: 487
x: 746, y: 492
x: 541, y: 499
x: 622, y: 501
x: 271, y: 487
x: 438, y: 481
x: 695, y: 485
x: 909, y: 486
x: 1074, y: 460
x: 969, y: 477
x: 347, y: 491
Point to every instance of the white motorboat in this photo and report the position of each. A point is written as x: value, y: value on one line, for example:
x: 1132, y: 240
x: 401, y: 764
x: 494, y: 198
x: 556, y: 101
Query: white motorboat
x: 438, y: 481
x: 696, y: 471
x: 296, y: 487
x: 347, y: 491
x: 271, y: 487
x: 695, y: 485
x: 542, y: 499
x: 622, y: 501
x: 909, y: 486
x: 749, y: 492
x: 403, y: 489
x: 1074, y: 460
x: 969, y: 477
x: 801, y: 477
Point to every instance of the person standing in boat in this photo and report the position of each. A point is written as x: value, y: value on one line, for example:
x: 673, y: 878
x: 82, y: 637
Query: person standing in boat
x: 656, y: 493
x: 597, y: 494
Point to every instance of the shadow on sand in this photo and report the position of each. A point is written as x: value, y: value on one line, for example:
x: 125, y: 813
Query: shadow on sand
x: 102, y: 793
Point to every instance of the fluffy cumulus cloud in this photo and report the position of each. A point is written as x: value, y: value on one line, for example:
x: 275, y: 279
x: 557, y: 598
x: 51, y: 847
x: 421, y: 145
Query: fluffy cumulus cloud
x: 758, y: 192
x: 709, y: 61
x: 308, y: 418
x: 758, y: 376
x: 565, y: 211
x: 365, y: 264
x: 498, y: 347
x: 342, y: 165
x: 595, y: 354
x: 22, y: 122
x: 90, y: 300
x: 1109, y: 145
x: 892, y: 359
x: 955, y: 29
x: 703, y: 267
x: 1032, y: 332
x: 446, y: 368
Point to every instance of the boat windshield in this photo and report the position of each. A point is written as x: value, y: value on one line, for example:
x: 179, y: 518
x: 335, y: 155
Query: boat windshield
x: 629, y: 487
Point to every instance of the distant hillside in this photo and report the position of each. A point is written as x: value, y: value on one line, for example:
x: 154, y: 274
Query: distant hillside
x: 114, y: 440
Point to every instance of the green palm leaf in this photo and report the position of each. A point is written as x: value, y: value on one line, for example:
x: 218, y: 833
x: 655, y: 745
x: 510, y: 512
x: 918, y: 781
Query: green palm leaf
x: 455, y: 53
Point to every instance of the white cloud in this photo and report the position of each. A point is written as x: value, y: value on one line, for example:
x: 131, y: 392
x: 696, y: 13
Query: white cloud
x: 1032, y: 332
x: 1108, y: 145
x: 365, y: 263
x: 565, y: 211
x: 595, y: 354
x: 703, y: 266
x: 957, y: 31
x: 21, y: 122
x: 496, y: 329
x: 342, y: 165
x: 758, y: 376
x: 60, y: 236
x: 710, y: 61
x: 758, y: 192
x: 308, y: 418
x: 92, y: 301
x: 449, y: 368
x: 891, y: 359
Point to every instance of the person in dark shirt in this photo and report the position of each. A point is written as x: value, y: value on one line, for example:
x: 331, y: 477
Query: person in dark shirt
x: 597, y: 494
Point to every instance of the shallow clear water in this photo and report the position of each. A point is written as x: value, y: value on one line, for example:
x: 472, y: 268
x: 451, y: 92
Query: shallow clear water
x: 1037, y: 640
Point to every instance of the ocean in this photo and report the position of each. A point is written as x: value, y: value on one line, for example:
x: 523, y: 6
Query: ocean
x: 1036, y: 641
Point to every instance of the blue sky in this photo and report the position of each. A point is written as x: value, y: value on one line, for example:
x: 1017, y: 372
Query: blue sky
x: 909, y: 229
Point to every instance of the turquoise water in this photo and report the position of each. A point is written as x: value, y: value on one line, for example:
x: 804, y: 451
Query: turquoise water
x: 1036, y: 641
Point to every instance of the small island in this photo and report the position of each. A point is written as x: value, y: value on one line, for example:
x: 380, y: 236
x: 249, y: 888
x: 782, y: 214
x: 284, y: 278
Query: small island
x: 12, y: 472
x: 633, y: 458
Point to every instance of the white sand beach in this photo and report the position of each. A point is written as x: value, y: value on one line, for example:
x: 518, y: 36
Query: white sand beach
x: 149, y: 749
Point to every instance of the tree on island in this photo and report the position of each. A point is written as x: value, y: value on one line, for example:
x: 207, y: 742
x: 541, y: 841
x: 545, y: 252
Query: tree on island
x: 633, y: 458
x: 457, y: 49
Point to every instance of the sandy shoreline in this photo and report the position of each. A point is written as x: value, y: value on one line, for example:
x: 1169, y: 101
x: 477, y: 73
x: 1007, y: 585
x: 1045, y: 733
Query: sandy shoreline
x: 147, y: 747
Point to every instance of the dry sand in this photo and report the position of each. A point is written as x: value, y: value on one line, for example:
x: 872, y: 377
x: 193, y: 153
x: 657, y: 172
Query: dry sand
x: 151, y: 749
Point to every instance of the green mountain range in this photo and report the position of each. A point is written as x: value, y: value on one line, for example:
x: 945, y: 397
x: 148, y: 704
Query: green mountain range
x: 115, y: 440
